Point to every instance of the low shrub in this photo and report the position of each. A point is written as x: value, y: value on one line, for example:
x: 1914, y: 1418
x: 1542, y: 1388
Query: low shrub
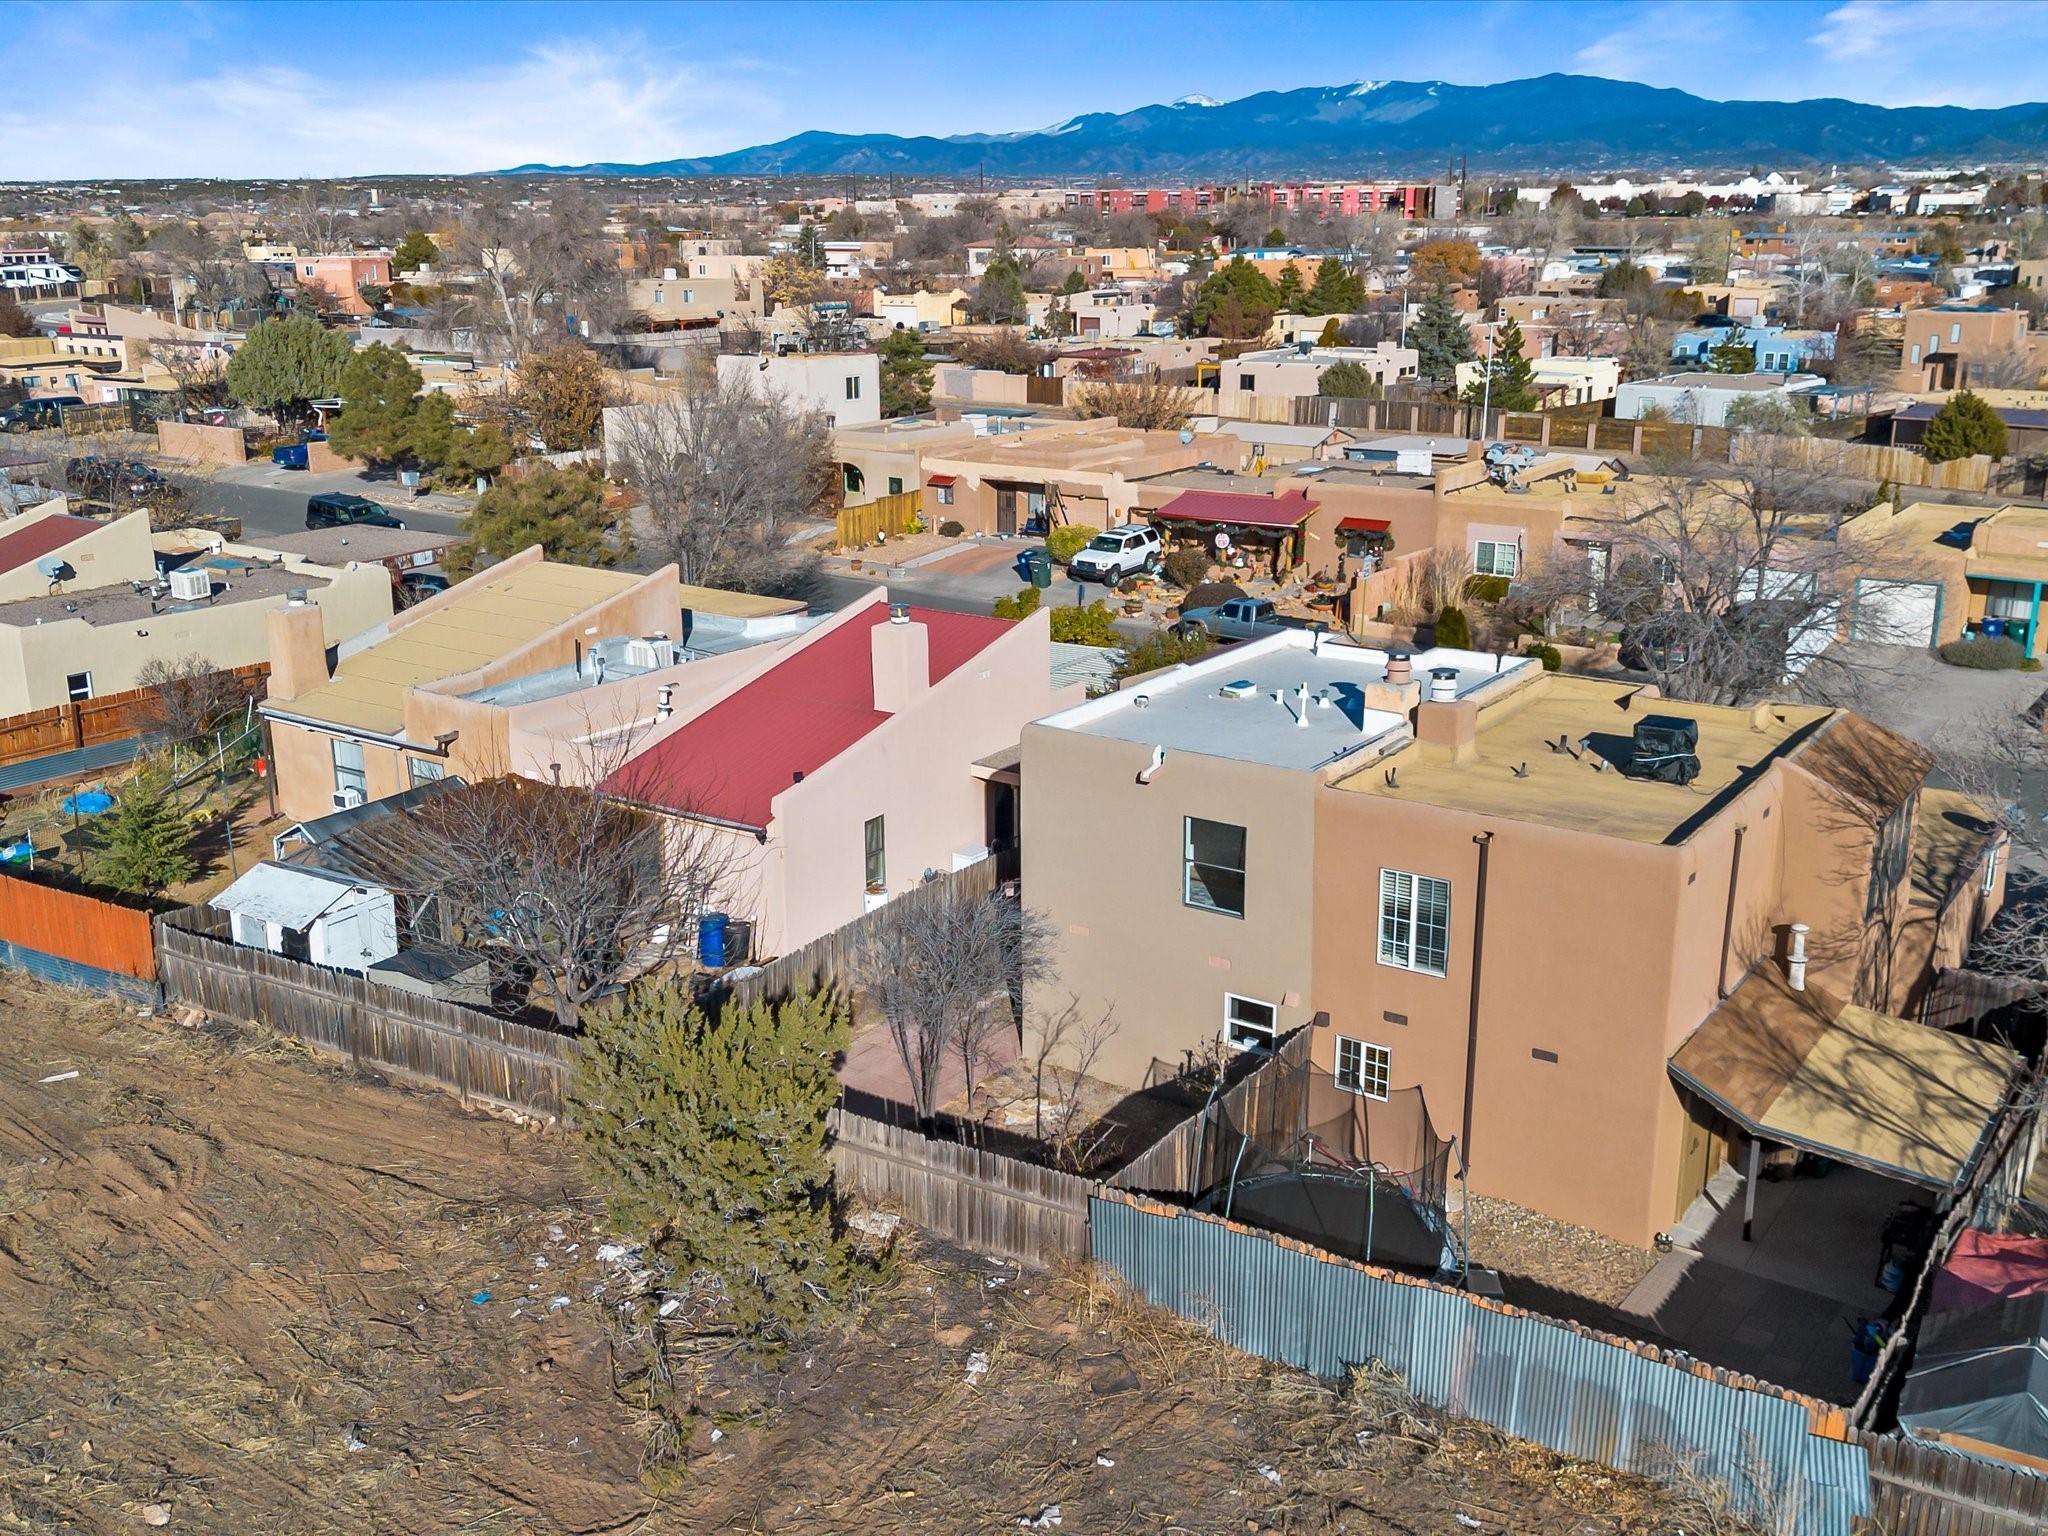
x: 1187, y: 567
x: 1095, y: 624
x: 1487, y: 589
x: 1453, y: 631
x: 1547, y: 654
x: 1210, y: 594
x: 1065, y: 543
x: 1163, y: 648
x: 1022, y: 606
x: 1997, y: 654
x: 951, y: 529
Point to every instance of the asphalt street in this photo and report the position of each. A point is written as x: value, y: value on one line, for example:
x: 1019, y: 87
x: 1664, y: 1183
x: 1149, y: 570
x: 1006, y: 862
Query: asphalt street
x: 271, y: 500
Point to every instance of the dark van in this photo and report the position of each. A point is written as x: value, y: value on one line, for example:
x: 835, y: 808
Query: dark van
x: 36, y: 415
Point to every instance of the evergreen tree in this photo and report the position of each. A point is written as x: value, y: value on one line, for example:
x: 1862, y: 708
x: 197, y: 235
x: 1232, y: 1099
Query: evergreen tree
x: 1453, y: 629
x: 561, y: 510
x: 708, y: 1141
x: 1291, y: 292
x: 1962, y: 427
x: 906, y: 376
x: 1000, y: 298
x: 284, y: 363
x: 1347, y: 381
x: 1440, y: 337
x: 1332, y: 333
x: 1335, y: 291
x: 1237, y: 301
x: 1731, y: 356
x: 416, y: 250
x: 143, y: 841
x: 378, y: 390
x: 440, y: 442
x: 1076, y: 281
x: 1513, y: 380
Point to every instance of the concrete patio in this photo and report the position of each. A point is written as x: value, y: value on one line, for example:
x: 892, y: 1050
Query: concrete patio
x: 1784, y: 1307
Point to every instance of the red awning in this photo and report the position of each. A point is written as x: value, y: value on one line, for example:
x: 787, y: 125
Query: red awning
x: 1363, y: 525
x: 942, y: 479
x: 1236, y: 509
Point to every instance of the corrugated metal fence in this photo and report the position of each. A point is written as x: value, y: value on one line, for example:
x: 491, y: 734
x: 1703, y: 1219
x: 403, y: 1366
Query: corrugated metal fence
x: 980, y: 1199
x: 403, y: 1034
x: 1626, y: 1406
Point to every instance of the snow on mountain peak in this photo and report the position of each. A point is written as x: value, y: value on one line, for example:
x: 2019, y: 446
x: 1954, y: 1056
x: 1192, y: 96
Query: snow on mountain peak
x: 1198, y: 101
x: 1365, y: 87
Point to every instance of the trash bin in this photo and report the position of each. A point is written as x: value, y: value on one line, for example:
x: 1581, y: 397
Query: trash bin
x: 1041, y: 567
x: 711, y: 940
x: 1022, y: 565
x: 1993, y: 629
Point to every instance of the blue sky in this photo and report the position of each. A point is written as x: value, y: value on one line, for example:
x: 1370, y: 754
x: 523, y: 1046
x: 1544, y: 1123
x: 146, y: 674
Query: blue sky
x: 350, y: 88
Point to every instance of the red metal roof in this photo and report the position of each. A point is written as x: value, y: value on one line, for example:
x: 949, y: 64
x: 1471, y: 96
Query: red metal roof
x: 943, y: 479
x: 734, y: 759
x: 1236, y: 509
x: 1363, y: 525
x: 38, y: 539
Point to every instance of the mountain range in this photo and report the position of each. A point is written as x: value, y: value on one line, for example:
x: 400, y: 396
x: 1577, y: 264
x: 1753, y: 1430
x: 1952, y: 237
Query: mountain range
x: 1408, y: 128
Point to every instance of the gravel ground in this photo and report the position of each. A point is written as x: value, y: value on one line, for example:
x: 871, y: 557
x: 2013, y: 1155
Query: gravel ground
x: 1552, y: 1267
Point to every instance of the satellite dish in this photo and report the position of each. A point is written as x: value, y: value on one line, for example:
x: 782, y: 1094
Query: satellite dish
x: 1187, y: 434
x: 55, y: 567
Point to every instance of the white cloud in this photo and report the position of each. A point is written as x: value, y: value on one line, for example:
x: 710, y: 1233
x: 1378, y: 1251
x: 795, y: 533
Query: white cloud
x: 558, y: 103
x: 1662, y: 44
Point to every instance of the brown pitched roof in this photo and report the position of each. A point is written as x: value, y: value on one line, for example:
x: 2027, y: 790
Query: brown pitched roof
x: 1858, y: 758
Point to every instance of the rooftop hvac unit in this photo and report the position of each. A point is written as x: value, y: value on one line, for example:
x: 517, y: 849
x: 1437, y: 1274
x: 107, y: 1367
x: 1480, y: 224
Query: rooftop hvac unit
x: 347, y: 799
x: 647, y: 654
x: 1667, y: 749
x: 190, y: 584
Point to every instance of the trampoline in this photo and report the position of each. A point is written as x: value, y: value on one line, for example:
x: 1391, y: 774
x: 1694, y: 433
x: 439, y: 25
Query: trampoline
x: 1348, y: 1214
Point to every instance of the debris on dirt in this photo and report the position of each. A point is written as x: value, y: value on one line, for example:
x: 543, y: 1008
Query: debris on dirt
x: 977, y: 1367
x: 58, y: 1077
x: 156, y: 1514
x: 1046, y: 1519
x: 879, y: 1225
x: 1270, y: 1474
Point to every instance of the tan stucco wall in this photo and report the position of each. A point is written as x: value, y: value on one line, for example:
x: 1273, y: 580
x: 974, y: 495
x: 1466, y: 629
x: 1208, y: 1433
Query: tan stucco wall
x: 1103, y: 860
x: 201, y: 444
x: 113, y: 552
x: 34, y: 659
x: 915, y: 771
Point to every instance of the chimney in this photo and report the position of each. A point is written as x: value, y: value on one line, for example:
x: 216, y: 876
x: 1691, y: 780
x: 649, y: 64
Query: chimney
x: 1400, y: 670
x: 1443, y: 684
x: 902, y: 656
x: 1398, y: 693
x: 297, y: 640
x: 1448, y: 726
x: 1795, y: 959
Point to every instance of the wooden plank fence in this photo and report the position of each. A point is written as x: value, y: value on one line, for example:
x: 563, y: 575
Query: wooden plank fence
x: 1192, y: 1157
x: 88, y: 722
x: 404, y: 1035
x: 979, y: 1199
x: 72, y: 926
x: 1922, y: 1489
x: 860, y: 526
x: 833, y: 960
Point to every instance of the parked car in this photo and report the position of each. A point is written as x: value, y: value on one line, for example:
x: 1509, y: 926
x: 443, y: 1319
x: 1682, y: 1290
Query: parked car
x: 417, y: 586
x: 36, y: 415
x: 113, y: 480
x: 338, y: 509
x: 1117, y: 553
x: 1242, y: 618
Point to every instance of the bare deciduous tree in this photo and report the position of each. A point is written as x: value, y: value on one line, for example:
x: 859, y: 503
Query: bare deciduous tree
x: 194, y: 698
x: 539, y: 266
x: 948, y: 977
x: 728, y: 475
x: 1143, y: 403
x: 558, y: 885
x: 1066, y: 1045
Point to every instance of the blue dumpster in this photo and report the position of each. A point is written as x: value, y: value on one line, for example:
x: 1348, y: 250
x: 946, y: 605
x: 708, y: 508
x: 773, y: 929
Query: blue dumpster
x: 711, y: 940
x: 289, y: 455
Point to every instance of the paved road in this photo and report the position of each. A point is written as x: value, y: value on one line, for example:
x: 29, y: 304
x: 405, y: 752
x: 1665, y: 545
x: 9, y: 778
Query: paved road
x: 269, y: 500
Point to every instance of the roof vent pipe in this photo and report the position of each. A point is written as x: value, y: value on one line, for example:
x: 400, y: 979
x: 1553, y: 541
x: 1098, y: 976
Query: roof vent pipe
x: 666, y: 705
x: 1795, y: 959
x: 1443, y: 685
x: 1301, y: 708
x: 1400, y: 671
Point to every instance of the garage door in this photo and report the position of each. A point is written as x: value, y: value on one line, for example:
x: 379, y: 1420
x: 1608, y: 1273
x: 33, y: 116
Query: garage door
x: 1897, y: 612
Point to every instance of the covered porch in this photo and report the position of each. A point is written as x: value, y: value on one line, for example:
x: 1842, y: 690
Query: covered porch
x: 1259, y: 535
x: 1849, y: 1133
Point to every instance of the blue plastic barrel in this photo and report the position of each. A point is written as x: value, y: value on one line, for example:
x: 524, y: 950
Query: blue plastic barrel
x: 1993, y: 629
x: 711, y: 941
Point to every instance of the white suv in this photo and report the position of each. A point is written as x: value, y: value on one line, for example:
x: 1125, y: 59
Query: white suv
x: 1116, y: 553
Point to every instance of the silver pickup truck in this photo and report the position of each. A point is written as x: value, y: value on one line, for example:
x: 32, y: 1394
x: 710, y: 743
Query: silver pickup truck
x: 1242, y: 618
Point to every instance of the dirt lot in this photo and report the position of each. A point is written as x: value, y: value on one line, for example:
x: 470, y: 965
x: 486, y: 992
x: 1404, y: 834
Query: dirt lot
x: 244, y: 1292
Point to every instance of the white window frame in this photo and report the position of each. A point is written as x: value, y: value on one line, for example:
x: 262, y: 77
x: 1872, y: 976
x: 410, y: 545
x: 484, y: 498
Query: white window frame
x: 424, y: 770
x: 355, y: 775
x: 1401, y: 927
x: 1370, y: 1068
x: 1232, y: 1024
x: 853, y: 386
x: 1480, y: 561
x: 72, y: 692
x: 1991, y: 867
